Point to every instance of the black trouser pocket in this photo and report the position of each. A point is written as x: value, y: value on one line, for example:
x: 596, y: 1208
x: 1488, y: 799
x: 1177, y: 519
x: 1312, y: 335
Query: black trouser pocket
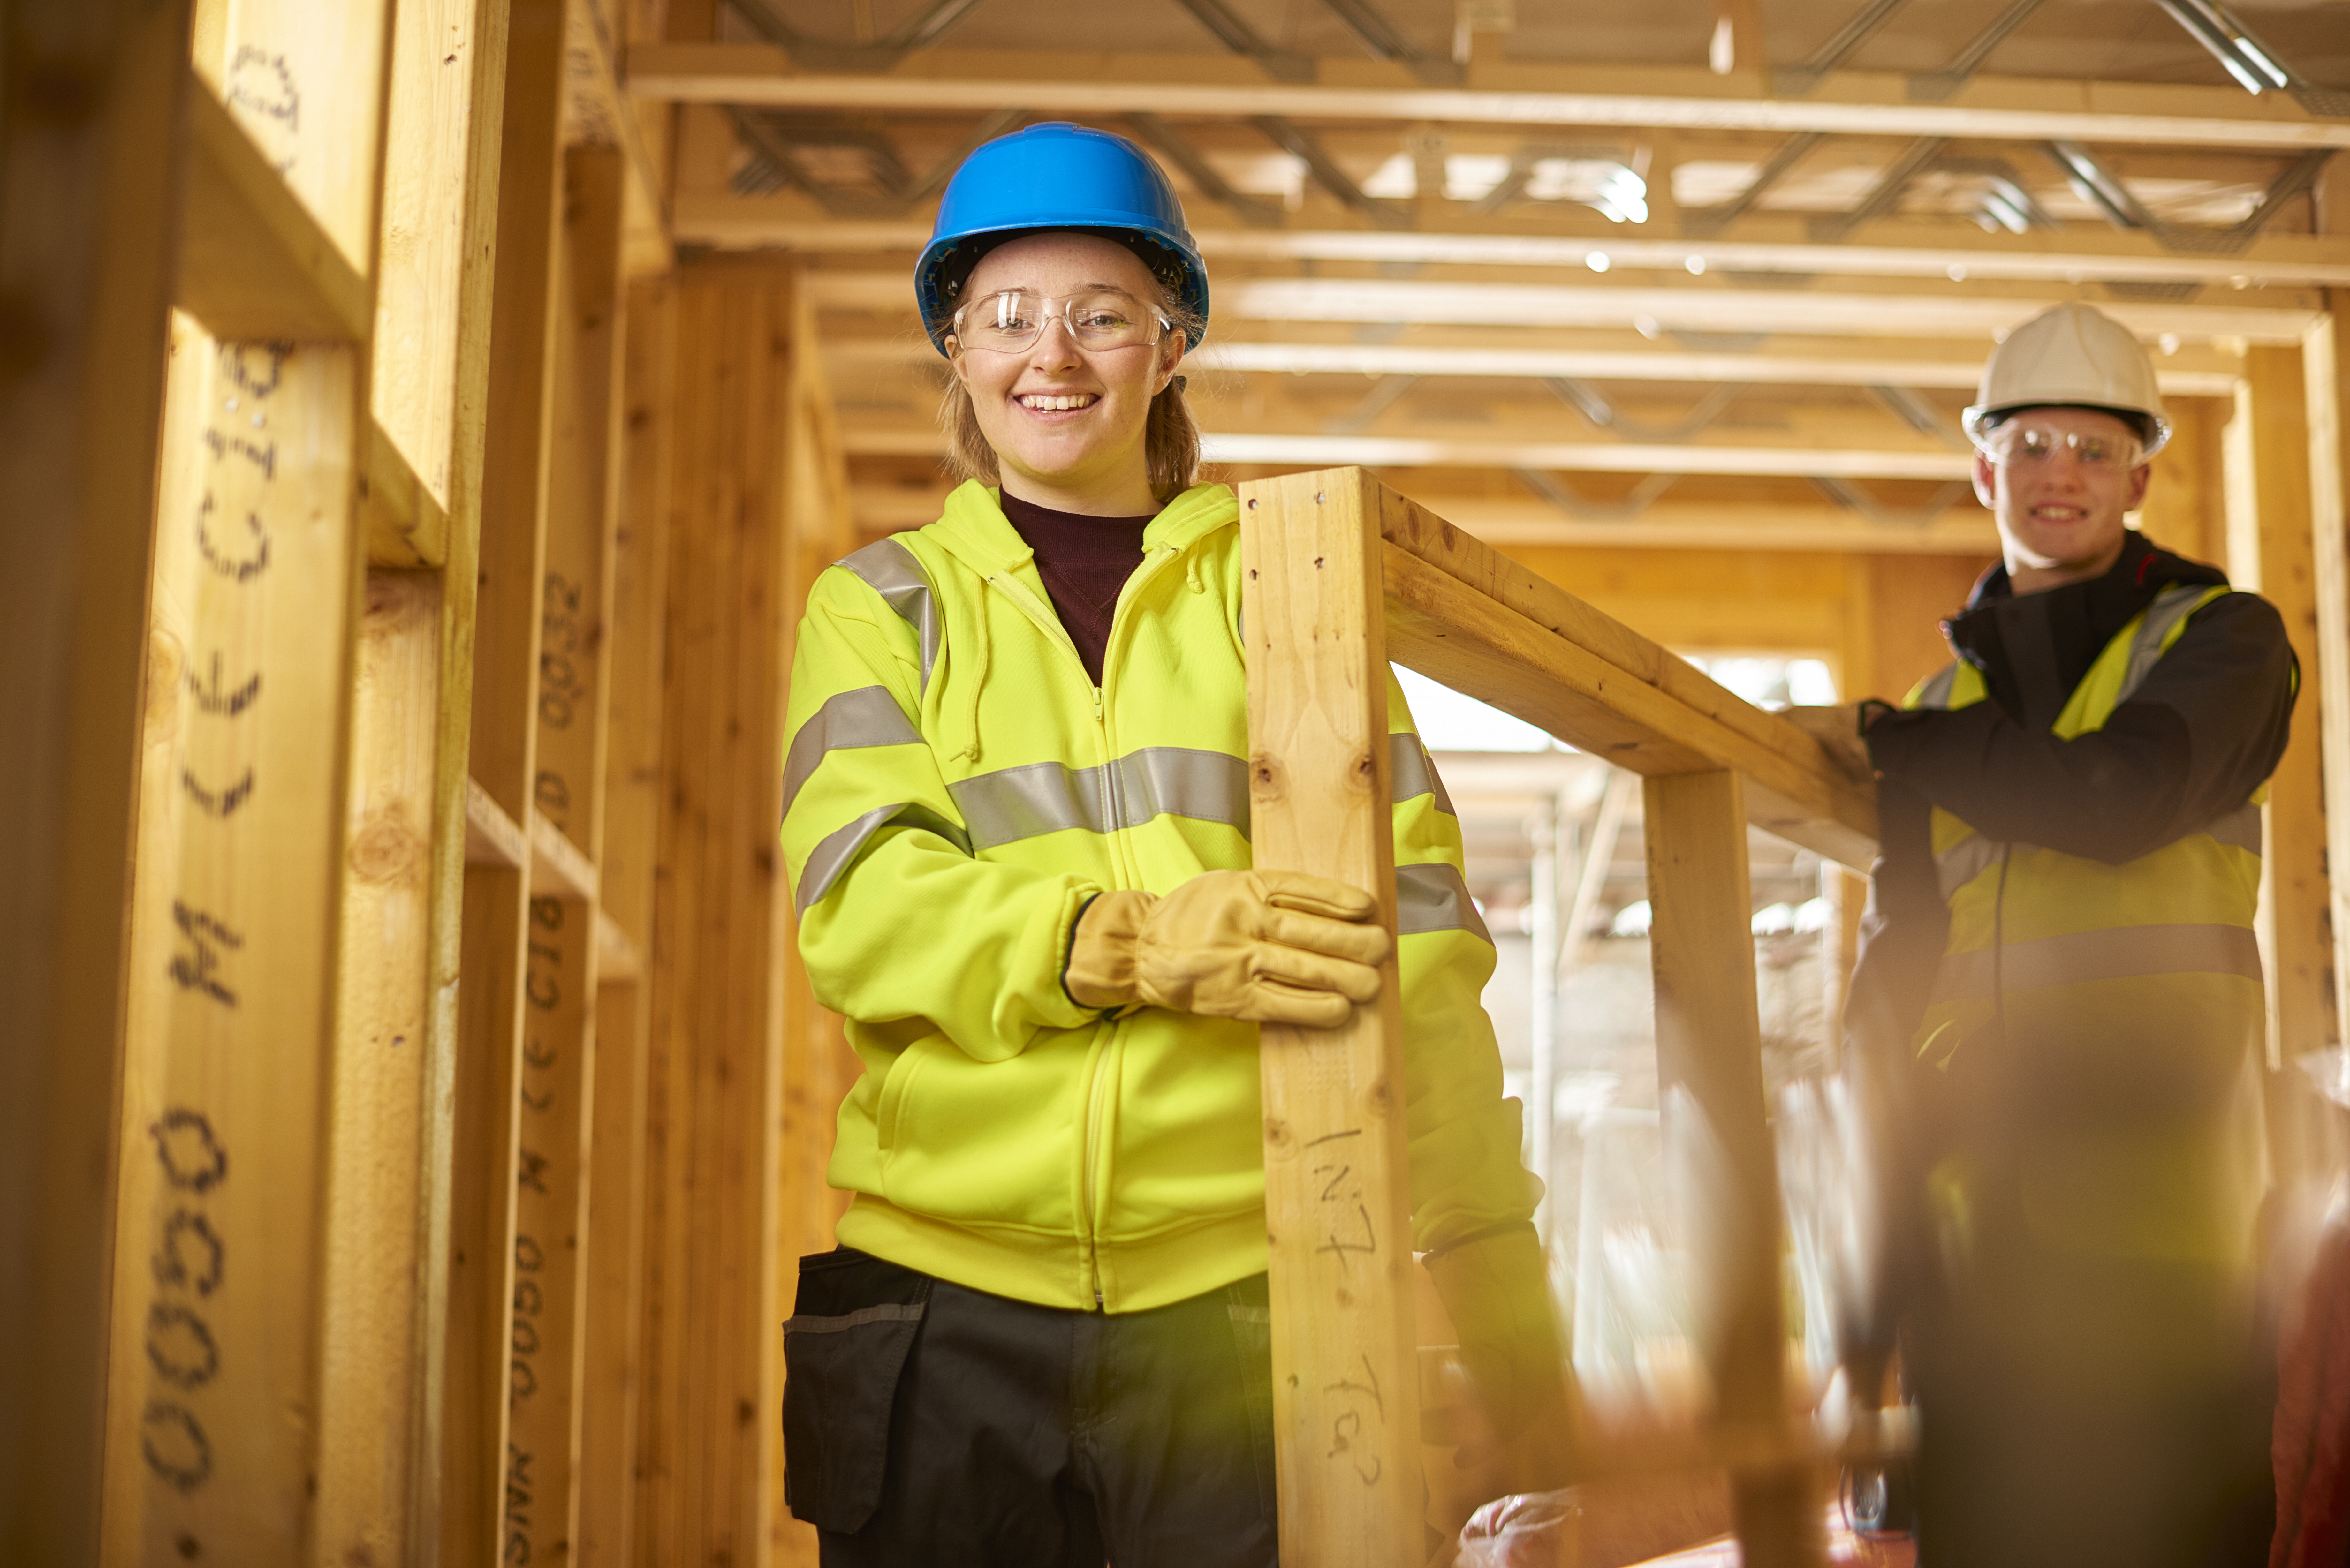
x: 853, y: 1322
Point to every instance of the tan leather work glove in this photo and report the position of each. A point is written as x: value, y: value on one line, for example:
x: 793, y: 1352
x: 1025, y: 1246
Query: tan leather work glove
x: 1496, y: 1289
x: 1273, y: 947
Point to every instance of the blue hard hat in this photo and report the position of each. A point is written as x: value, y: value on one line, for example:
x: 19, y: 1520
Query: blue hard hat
x: 1057, y: 176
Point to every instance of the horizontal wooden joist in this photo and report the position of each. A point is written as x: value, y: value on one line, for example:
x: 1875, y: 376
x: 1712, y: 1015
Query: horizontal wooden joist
x: 1659, y: 363
x: 1301, y: 450
x: 1847, y: 103
x: 1648, y: 308
x: 1462, y: 613
x: 1964, y: 529
x: 255, y: 262
x: 1957, y: 251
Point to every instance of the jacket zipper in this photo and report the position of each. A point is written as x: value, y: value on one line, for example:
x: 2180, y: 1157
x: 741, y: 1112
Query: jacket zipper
x: 1050, y: 624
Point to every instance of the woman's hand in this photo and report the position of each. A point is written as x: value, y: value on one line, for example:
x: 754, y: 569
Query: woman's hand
x: 1272, y: 947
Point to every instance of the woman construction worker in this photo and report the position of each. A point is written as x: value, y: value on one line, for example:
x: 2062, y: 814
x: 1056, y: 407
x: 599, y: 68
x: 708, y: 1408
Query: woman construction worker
x: 1016, y: 821
x: 2059, y: 1003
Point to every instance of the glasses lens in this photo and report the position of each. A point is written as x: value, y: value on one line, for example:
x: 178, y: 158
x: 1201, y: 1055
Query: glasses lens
x: 1011, y: 321
x: 1110, y: 319
x: 1001, y: 321
x: 2036, y: 444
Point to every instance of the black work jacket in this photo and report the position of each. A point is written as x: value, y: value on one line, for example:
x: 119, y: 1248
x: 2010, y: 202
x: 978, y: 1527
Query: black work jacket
x: 2201, y: 733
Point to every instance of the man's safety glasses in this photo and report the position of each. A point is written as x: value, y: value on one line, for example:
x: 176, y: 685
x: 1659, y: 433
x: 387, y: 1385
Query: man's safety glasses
x: 1098, y: 318
x: 2036, y: 446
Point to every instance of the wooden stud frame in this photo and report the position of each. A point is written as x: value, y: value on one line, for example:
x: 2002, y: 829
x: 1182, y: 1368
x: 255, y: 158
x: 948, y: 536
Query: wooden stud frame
x: 1343, y: 574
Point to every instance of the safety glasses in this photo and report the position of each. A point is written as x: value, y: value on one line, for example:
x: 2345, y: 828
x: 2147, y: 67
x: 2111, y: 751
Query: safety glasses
x: 2031, y: 446
x: 1096, y: 319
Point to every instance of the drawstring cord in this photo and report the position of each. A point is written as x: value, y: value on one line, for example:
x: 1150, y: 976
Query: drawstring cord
x: 969, y: 750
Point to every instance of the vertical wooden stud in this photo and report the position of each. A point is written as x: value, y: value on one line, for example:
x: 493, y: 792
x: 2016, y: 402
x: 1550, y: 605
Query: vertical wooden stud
x: 2269, y: 551
x: 2326, y: 364
x: 560, y: 986
x: 242, y: 1006
x: 554, y: 1087
x: 478, y: 1337
x: 234, y: 1033
x: 610, y: 1357
x: 711, y: 1390
x: 370, y: 1328
x: 1709, y: 1072
x: 2183, y: 510
x: 87, y: 224
x: 1346, y: 1383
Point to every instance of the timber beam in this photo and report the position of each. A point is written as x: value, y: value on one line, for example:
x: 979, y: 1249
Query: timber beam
x: 1844, y: 103
x: 790, y: 222
x: 1653, y: 308
x: 1953, y: 367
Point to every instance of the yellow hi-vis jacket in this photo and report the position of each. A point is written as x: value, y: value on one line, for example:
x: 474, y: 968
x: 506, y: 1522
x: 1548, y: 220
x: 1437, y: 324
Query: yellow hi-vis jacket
x: 956, y: 788
x: 2146, y: 974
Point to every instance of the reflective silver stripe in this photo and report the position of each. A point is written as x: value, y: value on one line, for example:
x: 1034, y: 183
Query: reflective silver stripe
x: 1179, y: 781
x: 1966, y: 860
x: 890, y: 569
x: 2239, y: 828
x: 2169, y: 608
x: 1411, y: 772
x: 2116, y: 952
x: 1012, y: 804
x: 1936, y: 693
x: 832, y: 858
x: 1432, y: 898
x: 867, y: 716
x: 907, y: 1312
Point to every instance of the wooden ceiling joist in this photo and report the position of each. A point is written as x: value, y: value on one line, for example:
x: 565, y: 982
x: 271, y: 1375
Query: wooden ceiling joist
x: 1845, y: 103
x: 1306, y: 450
x: 1651, y: 309
x: 1956, y: 372
x: 1937, y: 251
x: 1963, y: 530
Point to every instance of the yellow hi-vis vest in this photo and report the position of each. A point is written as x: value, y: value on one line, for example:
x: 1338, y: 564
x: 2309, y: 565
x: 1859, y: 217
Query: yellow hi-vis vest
x: 2145, y: 977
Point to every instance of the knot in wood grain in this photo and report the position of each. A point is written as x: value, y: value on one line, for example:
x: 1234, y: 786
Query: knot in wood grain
x: 386, y: 847
x: 1278, y: 1138
x: 1268, y: 780
x: 166, y: 658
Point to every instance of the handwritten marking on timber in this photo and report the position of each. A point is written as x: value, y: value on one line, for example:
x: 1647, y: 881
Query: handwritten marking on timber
x: 518, y: 1485
x: 188, y: 1234
x: 560, y: 688
x: 216, y: 697
x: 242, y: 568
x: 179, y: 1343
x: 262, y: 453
x: 528, y: 1299
x: 219, y: 803
x: 191, y: 1156
x: 1349, y: 1425
x: 179, y: 1346
x: 1340, y: 1192
x: 261, y: 84
x: 174, y: 1445
x: 197, y: 969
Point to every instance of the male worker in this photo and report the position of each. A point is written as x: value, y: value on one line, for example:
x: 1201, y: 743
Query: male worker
x: 2058, y: 1007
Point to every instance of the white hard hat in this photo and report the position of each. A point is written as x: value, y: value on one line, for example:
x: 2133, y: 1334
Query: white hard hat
x: 2074, y: 356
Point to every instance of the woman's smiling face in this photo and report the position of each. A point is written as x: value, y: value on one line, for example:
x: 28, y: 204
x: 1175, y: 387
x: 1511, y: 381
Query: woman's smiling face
x: 1067, y: 424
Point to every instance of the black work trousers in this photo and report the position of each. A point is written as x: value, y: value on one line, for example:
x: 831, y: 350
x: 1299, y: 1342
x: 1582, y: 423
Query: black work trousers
x: 925, y: 1423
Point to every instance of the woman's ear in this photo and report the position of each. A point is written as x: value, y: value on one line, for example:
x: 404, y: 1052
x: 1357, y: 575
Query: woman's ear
x: 1171, y: 361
